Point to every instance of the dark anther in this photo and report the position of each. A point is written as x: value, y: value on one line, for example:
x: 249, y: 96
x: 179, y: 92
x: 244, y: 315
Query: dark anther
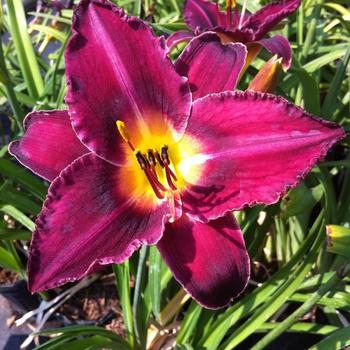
x: 151, y: 158
x: 159, y: 159
x: 142, y: 160
x: 164, y: 155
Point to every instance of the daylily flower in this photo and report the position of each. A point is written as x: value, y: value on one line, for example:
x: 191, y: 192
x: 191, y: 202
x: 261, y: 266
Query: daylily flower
x: 232, y: 26
x: 134, y: 160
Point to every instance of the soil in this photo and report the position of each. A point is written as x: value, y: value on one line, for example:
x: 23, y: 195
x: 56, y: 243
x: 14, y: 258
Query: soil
x: 97, y: 304
x: 7, y: 276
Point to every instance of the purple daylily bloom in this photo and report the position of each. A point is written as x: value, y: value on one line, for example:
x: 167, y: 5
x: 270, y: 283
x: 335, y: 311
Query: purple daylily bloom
x: 134, y: 160
x: 231, y: 26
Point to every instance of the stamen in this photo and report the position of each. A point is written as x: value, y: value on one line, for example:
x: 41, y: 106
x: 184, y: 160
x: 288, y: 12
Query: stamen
x: 151, y: 157
x: 164, y: 155
x: 155, y: 179
x: 141, y: 159
x: 150, y: 174
x: 153, y: 185
x: 168, y: 177
x: 159, y: 159
x: 124, y: 133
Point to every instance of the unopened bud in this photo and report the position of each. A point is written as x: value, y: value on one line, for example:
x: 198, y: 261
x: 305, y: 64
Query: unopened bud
x: 268, y: 76
x: 338, y: 240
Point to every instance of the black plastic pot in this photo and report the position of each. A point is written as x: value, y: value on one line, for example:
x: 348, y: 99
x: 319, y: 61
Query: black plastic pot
x: 19, y: 297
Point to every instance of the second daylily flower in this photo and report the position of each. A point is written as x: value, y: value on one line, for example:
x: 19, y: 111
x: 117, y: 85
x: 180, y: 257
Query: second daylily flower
x: 136, y: 161
x: 232, y: 26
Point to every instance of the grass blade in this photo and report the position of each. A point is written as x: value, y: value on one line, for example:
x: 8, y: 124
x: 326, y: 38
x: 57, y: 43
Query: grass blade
x: 24, y: 48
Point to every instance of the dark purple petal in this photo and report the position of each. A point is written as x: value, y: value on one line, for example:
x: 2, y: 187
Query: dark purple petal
x: 117, y: 69
x: 269, y: 16
x: 202, y: 14
x: 49, y: 143
x: 279, y: 45
x: 234, y: 35
x: 178, y: 37
x: 209, y: 260
x: 250, y: 148
x: 210, y: 66
x: 90, y: 218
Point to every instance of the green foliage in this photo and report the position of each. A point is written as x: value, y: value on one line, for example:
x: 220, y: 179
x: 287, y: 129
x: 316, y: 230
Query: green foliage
x: 293, y: 272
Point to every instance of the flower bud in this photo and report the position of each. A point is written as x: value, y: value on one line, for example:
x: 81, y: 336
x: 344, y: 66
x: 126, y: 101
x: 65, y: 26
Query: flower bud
x: 267, y: 78
x: 338, y: 240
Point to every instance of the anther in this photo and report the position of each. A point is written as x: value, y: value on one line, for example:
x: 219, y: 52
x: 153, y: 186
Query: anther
x: 159, y: 159
x: 142, y: 160
x: 150, y: 174
x: 124, y: 133
x: 151, y: 158
x: 164, y: 155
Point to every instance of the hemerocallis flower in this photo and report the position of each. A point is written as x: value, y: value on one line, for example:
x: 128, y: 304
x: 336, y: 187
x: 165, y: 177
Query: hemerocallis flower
x: 135, y: 160
x: 232, y: 26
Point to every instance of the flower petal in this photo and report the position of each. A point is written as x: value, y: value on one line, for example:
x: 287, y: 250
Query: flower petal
x: 49, y: 143
x: 249, y: 148
x: 209, y: 260
x: 279, y: 45
x: 178, y: 37
x: 88, y: 221
x: 202, y: 14
x: 223, y: 64
x: 117, y: 69
x: 264, y: 20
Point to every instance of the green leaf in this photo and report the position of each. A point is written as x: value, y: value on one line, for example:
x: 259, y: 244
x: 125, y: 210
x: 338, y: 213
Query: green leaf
x: 20, y: 200
x: 301, y: 199
x: 311, y: 92
x: 18, y: 215
x: 24, y: 48
x: 50, y: 31
x: 53, y: 17
x: 122, y: 276
x: 154, y: 279
x: 331, y: 100
x: 71, y: 332
x: 21, y: 175
x: 11, y: 234
x: 7, y: 260
x: 335, y: 341
x: 189, y: 323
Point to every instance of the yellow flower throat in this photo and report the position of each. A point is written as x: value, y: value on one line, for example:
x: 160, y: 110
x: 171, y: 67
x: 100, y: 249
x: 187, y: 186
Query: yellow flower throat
x: 156, y: 166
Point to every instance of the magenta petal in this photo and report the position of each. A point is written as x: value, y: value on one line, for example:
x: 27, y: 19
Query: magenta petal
x: 49, y: 143
x: 254, y: 147
x: 279, y: 45
x: 264, y: 20
x: 87, y: 222
x: 223, y: 64
x: 178, y: 37
x: 117, y: 69
x: 209, y: 260
x: 202, y: 14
